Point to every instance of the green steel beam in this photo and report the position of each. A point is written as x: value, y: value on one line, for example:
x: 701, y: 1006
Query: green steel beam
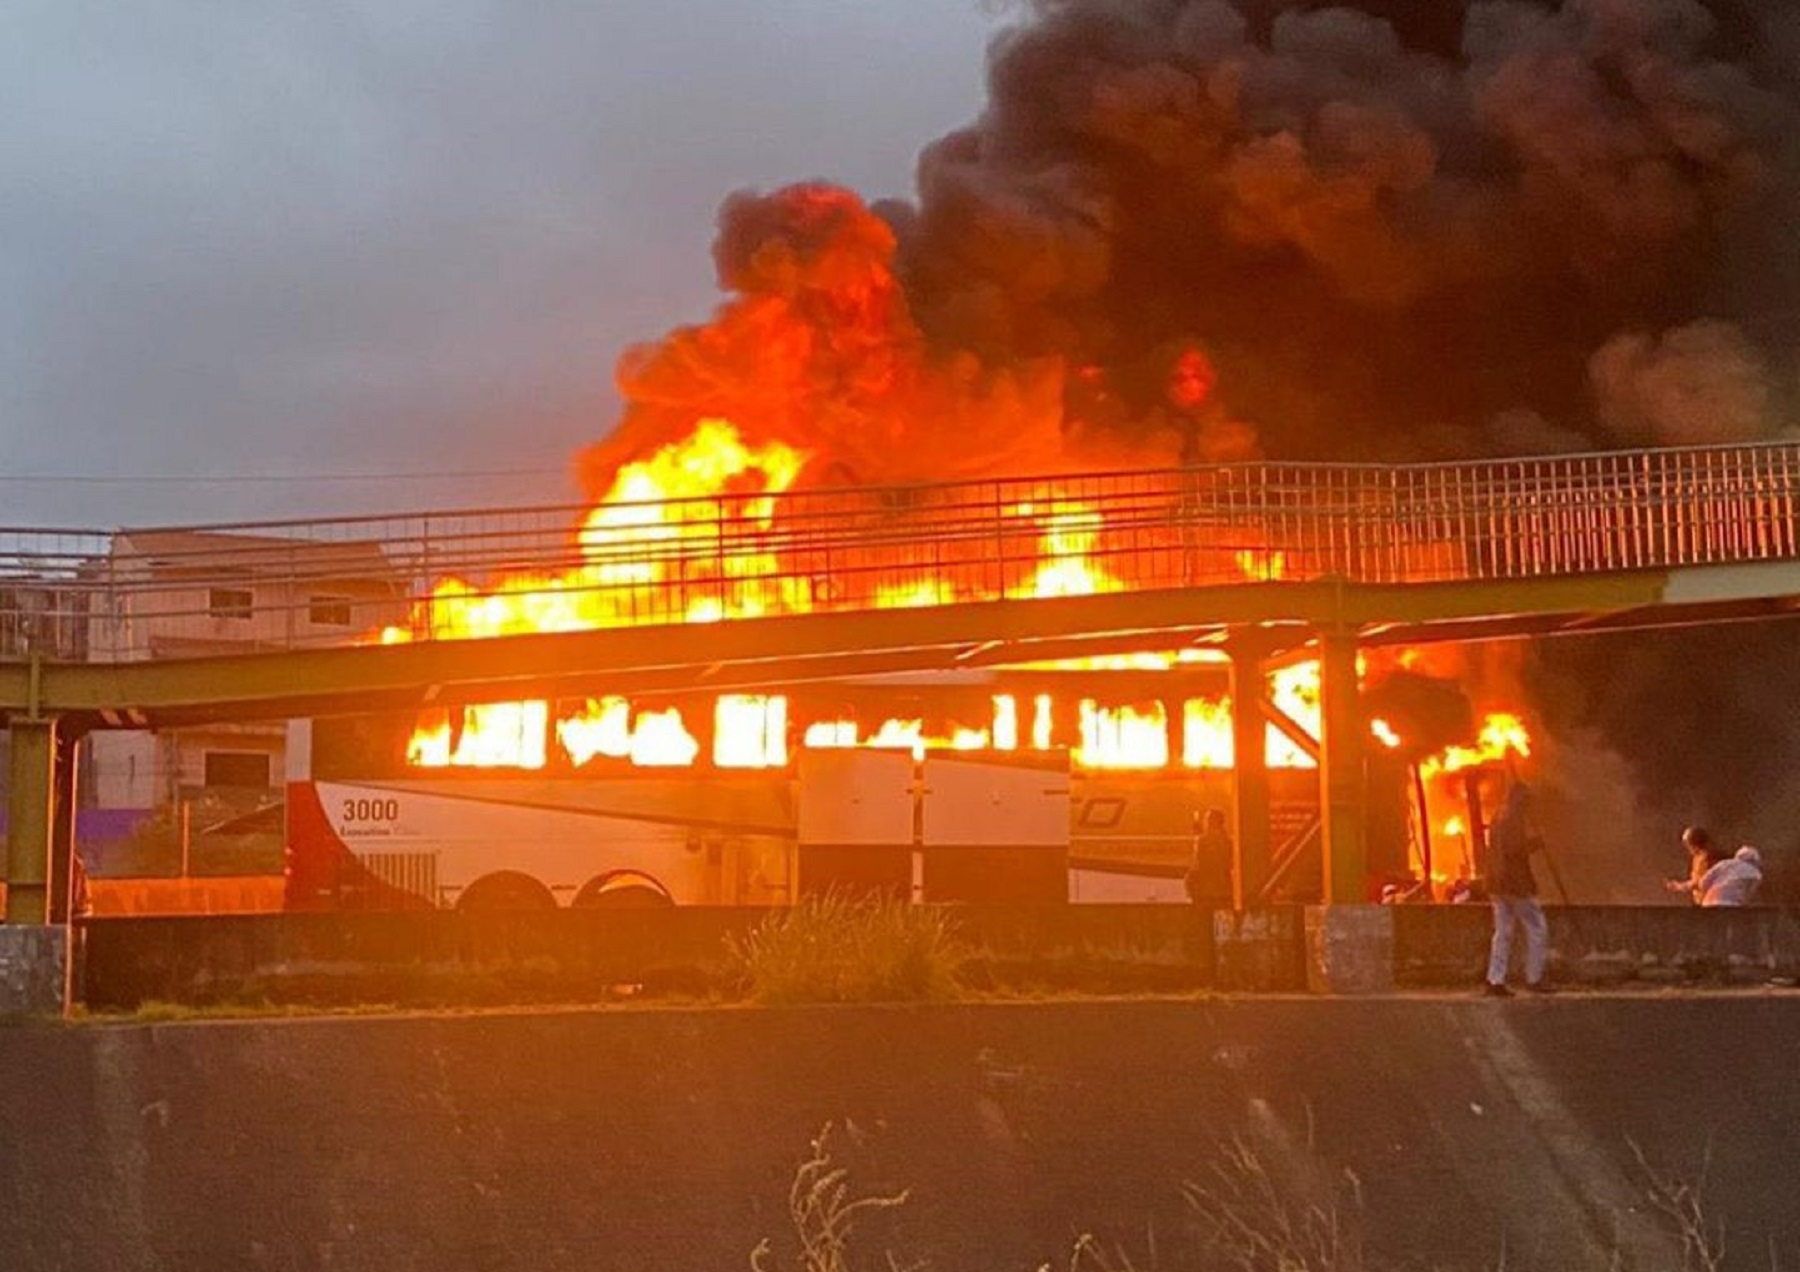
x: 1249, y: 771
x: 31, y: 819
x: 815, y: 646
x: 1343, y: 794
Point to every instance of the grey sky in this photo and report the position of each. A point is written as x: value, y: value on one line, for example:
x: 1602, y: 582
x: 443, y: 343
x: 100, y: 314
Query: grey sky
x: 397, y: 236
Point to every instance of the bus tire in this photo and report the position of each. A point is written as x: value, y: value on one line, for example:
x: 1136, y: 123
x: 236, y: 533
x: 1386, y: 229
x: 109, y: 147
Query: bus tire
x: 622, y: 890
x: 510, y: 890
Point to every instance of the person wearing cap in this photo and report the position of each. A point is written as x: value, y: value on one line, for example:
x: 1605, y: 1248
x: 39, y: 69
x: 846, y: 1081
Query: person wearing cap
x: 1513, y: 891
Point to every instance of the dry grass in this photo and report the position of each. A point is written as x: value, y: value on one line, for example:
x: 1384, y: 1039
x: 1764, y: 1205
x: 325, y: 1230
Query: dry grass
x: 824, y: 1214
x: 837, y: 950
x: 1252, y: 1221
x: 1249, y: 1216
x: 1681, y: 1203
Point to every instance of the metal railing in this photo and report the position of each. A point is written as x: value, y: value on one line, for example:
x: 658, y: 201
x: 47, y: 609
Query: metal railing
x: 193, y: 590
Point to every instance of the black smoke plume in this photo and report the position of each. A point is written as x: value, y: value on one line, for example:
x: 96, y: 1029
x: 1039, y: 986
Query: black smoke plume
x: 1387, y: 230
x: 1421, y: 230
x: 1502, y: 226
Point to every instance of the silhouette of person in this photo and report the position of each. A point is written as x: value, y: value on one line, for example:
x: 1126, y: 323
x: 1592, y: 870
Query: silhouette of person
x: 1513, y: 891
x: 1208, y: 876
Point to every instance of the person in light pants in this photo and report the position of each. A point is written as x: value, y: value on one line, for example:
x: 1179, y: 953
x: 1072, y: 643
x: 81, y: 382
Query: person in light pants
x: 1513, y: 890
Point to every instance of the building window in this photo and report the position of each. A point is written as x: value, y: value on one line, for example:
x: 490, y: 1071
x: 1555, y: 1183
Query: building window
x: 229, y: 602
x: 328, y: 611
x: 237, y: 768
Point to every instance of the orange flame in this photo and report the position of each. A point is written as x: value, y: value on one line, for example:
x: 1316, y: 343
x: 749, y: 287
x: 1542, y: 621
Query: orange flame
x: 673, y: 500
x: 608, y: 727
x: 1502, y: 734
x: 644, y: 534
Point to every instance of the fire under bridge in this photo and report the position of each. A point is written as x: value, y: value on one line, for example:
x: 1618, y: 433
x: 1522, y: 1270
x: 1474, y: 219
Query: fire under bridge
x: 188, y: 625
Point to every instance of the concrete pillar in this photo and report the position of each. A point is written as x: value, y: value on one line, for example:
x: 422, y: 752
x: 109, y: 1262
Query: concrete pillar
x: 31, y: 820
x: 1343, y: 789
x: 1350, y: 949
x: 64, y: 802
x: 34, y: 970
x: 1249, y: 774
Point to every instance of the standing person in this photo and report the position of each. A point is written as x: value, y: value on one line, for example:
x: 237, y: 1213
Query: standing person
x: 1702, y: 857
x: 1209, y: 873
x: 1513, y: 890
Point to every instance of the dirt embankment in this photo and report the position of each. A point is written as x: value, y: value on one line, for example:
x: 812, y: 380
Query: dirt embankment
x: 665, y: 1139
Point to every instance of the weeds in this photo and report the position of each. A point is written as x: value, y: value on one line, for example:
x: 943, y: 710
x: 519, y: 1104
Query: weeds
x: 1088, y: 1255
x: 837, y: 950
x: 1682, y: 1204
x: 1250, y: 1217
x: 1252, y: 1222
x: 823, y: 1214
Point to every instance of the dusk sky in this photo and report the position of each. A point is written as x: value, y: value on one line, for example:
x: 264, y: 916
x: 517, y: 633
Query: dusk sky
x: 303, y: 241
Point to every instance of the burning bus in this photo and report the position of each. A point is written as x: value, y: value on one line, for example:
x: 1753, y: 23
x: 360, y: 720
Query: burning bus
x: 1077, y: 779
x: 995, y: 786
x: 1082, y: 784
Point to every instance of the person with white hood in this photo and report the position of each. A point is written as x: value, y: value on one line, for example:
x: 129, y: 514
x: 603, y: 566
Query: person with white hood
x: 1732, y: 881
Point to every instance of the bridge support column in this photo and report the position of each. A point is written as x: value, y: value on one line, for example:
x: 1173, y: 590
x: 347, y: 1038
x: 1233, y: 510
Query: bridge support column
x: 1249, y: 773
x: 34, y: 955
x: 31, y: 820
x: 1343, y: 788
x: 1349, y: 943
x: 63, y: 862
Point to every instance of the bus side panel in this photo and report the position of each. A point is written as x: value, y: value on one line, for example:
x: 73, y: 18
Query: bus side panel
x: 432, y: 839
x: 995, y: 828
x: 855, y: 822
x: 320, y: 870
x: 1133, y: 833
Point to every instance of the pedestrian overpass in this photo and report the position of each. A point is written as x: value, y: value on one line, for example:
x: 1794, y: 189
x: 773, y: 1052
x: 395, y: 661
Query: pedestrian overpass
x: 186, y: 625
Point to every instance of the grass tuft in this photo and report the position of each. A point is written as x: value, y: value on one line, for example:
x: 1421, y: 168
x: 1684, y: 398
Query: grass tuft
x: 824, y: 1213
x: 835, y: 949
x: 1252, y: 1219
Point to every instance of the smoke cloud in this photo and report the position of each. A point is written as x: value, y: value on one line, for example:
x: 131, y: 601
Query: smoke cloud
x: 1389, y: 247
x: 1383, y: 230
x: 1486, y: 229
x: 1695, y: 385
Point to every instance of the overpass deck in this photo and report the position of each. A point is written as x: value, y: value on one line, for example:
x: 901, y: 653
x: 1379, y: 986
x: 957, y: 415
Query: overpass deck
x: 175, y: 624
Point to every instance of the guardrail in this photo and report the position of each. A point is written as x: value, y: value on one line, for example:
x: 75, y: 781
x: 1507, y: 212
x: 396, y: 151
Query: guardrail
x: 193, y: 590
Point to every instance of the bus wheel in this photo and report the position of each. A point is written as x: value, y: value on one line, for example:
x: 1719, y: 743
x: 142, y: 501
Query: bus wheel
x: 621, y: 889
x: 506, y: 890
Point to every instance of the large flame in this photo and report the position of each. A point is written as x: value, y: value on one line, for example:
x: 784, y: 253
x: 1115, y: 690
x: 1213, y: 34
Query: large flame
x: 698, y: 519
x: 656, y: 513
x: 687, y: 507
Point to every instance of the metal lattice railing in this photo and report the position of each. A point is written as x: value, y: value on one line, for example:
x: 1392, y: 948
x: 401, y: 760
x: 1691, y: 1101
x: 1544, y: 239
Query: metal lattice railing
x: 186, y: 591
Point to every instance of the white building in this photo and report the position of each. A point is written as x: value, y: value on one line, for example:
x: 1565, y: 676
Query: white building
x: 198, y: 593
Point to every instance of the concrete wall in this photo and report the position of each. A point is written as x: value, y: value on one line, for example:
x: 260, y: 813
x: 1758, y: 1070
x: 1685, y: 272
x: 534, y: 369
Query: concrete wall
x: 127, y: 769
x: 664, y: 1140
x: 1603, y: 945
x: 582, y: 955
x: 444, y: 958
x: 33, y: 971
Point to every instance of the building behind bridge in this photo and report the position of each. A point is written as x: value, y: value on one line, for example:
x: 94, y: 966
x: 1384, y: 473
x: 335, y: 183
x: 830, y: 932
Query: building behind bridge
x: 165, y: 594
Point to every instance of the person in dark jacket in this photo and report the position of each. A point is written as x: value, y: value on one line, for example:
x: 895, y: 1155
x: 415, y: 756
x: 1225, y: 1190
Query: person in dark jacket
x: 1513, y: 890
x: 1209, y: 872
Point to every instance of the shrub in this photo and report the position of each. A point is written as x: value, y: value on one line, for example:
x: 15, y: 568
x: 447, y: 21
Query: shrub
x: 835, y: 949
